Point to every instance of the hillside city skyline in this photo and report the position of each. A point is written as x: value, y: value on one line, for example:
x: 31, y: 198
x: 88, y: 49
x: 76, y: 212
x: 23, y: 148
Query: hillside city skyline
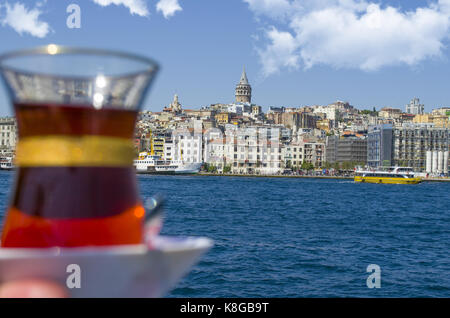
x: 298, y: 105
x: 244, y: 80
x: 385, y: 54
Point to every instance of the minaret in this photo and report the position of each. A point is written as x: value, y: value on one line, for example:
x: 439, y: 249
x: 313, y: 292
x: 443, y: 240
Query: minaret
x: 243, y: 89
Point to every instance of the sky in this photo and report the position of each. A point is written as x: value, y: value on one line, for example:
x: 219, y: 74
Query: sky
x: 295, y: 52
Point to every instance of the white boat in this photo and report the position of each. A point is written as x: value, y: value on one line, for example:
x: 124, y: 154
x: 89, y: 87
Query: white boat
x: 391, y: 175
x: 152, y: 164
x: 6, y: 163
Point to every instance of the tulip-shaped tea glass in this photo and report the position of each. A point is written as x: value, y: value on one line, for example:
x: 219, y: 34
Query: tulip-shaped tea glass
x: 76, y: 111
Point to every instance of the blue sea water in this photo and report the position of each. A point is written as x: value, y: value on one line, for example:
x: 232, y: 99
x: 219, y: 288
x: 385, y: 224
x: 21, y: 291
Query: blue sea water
x: 277, y: 237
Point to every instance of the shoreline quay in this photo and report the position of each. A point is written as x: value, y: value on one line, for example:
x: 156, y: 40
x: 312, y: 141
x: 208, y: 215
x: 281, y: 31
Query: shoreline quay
x: 203, y: 174
x: 270, y: 176
x: 206, y: 174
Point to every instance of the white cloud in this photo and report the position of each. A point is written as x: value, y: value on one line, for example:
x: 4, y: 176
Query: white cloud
x: 350, y: 33
x: 168, y: 7
x: 279, y: 53
x: 272, y: 8
x: 138, y: 7
x: 24, y: 20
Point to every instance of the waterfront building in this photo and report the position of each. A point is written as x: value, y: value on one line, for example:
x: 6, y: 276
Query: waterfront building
x: 304, y: 150
x: 214, y: 150
x: 215, y: 135
x: 379, y: 145
x: 412, y: 141
x: 437, y: 162
x: 253, y: 150
x: 243, y: 90
x: 292, y: 154
x: 296, y: 153
x: 168, y: 150
x: 331, y: 146
x: 8, y: 133
x: 414, y: 107
x: 314, y: 153
x: 158, y: 145
x: 187, y: 145
x: 346, y: 149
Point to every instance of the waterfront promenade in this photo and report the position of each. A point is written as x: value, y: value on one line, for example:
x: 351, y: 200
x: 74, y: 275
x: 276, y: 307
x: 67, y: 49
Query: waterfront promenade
x: 446, y: 179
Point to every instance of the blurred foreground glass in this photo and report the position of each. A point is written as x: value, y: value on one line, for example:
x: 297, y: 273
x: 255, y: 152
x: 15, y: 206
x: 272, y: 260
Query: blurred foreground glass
x: 76, y: 111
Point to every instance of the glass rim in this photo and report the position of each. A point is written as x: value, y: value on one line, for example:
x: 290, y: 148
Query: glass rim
x: 149, y: 65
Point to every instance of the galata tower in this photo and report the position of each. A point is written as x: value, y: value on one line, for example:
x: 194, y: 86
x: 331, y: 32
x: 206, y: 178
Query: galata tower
x: 243, y: 90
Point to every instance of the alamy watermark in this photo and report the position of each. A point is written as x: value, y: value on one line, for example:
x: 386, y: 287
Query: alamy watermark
x: 74, y: 19
x: 374, y: 279
x: 74, y: 278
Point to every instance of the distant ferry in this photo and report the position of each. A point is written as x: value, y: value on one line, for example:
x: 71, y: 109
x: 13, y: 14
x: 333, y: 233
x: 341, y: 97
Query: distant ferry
x: 393, y: 175
x: 6, y: 163
x: 151, y: 164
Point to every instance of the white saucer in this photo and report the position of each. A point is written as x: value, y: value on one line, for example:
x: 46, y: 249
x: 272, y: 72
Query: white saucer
x: 115, y: 271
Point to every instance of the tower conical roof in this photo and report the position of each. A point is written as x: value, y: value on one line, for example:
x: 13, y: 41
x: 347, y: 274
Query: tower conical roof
x: 244, y: 79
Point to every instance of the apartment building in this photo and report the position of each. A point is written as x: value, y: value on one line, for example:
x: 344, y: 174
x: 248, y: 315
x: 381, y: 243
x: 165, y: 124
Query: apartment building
x: 346, y: 149
x: 8, y: 133
x: 412, y: 141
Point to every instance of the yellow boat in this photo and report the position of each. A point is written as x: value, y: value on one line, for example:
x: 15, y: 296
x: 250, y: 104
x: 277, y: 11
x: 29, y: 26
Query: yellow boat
x: 397, y: 175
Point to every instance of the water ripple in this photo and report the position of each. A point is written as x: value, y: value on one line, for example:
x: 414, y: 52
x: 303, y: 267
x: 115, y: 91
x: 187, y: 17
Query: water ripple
x: 306, y: 237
